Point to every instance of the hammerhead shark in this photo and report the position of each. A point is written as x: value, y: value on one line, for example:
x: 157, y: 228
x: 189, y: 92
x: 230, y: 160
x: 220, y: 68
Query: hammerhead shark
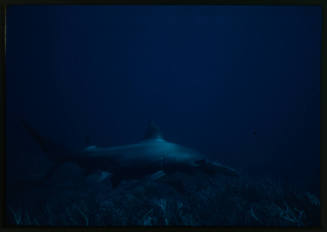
x: 151, y: 155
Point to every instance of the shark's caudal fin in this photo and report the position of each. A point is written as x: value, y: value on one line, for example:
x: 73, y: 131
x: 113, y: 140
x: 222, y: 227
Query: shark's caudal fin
x: 56, y: 153
x: 46, y: 144
x: 152, y: 131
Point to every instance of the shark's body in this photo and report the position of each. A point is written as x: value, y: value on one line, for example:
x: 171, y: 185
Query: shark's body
x: 150, y: 155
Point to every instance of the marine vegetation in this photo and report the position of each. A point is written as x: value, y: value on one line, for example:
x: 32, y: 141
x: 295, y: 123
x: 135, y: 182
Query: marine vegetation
x: 178, y: 199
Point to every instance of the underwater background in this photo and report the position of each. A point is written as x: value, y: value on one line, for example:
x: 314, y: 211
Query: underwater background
x: 240, y: 84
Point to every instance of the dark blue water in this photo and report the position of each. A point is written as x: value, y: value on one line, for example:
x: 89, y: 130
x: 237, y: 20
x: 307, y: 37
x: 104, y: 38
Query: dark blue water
x: 240, y: 84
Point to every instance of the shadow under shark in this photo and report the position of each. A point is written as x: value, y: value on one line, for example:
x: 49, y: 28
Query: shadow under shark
x: 153, y: 155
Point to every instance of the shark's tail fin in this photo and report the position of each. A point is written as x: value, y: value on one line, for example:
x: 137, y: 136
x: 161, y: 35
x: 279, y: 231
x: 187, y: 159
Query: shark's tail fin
x: 58, y: 154
x: 46, y: 144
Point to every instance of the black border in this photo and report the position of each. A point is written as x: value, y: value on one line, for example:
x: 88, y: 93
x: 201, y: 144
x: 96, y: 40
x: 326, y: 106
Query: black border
x: 323, y: 113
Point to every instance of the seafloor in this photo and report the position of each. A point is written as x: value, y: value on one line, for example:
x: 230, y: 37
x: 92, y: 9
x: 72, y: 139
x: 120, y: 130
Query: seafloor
x: 177, y: 199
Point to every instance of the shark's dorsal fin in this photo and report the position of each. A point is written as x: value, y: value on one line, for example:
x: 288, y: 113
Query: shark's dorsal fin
x: 152, y: 131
